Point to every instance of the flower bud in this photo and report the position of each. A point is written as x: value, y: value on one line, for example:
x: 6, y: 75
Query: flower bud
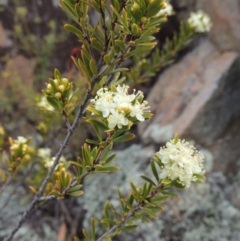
x: 65, y: 81
x: 61, y: 88
x: 136, y: 11
x: 56, y: 82
x: 58, y: 95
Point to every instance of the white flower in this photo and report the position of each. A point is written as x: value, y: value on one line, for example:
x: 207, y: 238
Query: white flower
x: 168, y: 10
x: 20, y: 140
x: 44, y: 153
x: 138, y: 110
x: 49, y: 162
x: 43, y: 104
x: 180, y: 161
x: 117, y: 119
x: 200, y: 21
x: 117, y: 106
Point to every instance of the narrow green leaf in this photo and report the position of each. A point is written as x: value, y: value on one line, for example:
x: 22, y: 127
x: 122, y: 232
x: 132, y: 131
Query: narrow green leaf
x: 109, y: 159
x: 160, y: 198
x: 107, y: 59
x: 93, y: 228
x: 154, y: 170
x: 148, y: 180
x: 76, y: 239
x: 125, y: 137
x: 74, y: 30
x: 128, y: 228
x: 107, y: 169
x: 57, y: 74
x: 86, y: 235
x: 76, y: 193
x: 166, y: 181
x: 92, y: 142
x: 106, y: 210
x: 120, y: 44
x: 97, y: 45
x: 178, y: 185
x: 75, y: 188
x: 68, y: 9
x: 93, y: 67
x: 118, y: 70
x: 105, y: 153
x: 99, y: 124
x: 151, y: 214
x: 55, y: 103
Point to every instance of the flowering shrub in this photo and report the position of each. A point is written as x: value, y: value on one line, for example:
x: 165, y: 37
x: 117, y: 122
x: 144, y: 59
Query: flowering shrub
x: 125, y: 30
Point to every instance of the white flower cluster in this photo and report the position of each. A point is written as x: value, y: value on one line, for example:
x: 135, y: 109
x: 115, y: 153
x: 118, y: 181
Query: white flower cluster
x: 200, y: 21
x: 181, y: 161
x: 119, y: 107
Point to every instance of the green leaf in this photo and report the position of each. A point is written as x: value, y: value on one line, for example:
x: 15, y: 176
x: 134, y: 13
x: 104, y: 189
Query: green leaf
x: 86, y: 235
x: 109, y: 159
x: 57, y: 74
x: 160, y: 198
x: 170, y: 194
x: 76, y: 239
x: 148, y: 180
x: 90, y: 141
x: 97, y: 45
x: 154, y: 170
x: 178, y: 185
x: 99, y: 124
x: 106, y: 210
x: 107, y: 59
x: 53, y: 85
x: 166, y: 181
x: 55, y: 103
x: 93, y: 228
x: 107, y: 169
x: 76, y: 193
x: 75, y: 188
x: 87, y: 158
x: 125, y: 137
x: 134, y: 189
x: 105, y: 153
x: 128, y: 228
x: 93, y: 67
x: 151, y: 214
x: 118, y: 70
x: 68, y: 9
x: 120, y: 44
x: 73, y: 29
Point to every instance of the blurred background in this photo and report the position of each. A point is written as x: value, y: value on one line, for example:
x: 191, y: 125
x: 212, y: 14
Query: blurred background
x: 197, y: 96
